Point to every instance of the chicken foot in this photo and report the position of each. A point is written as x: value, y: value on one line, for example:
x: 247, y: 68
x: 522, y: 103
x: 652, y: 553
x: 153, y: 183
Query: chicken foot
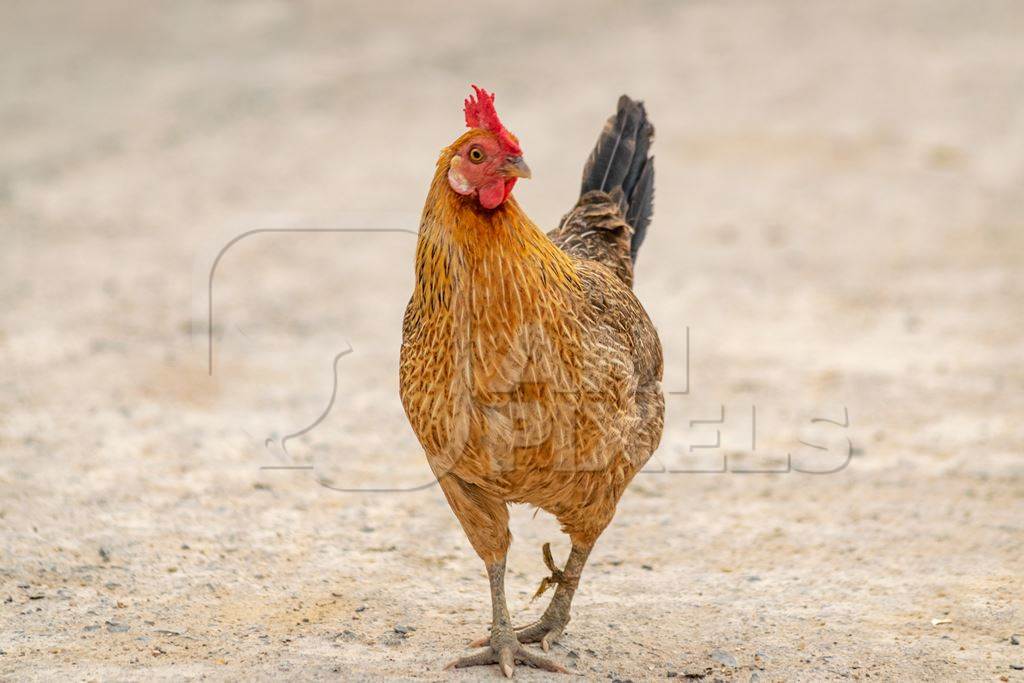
x: 548, y: 629
x: 503, y: 647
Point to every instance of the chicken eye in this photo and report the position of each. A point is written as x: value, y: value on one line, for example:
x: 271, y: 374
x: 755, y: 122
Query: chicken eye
x: 476, y: 155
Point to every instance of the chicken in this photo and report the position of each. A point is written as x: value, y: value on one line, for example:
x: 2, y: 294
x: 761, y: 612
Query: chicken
x: 529, y: 371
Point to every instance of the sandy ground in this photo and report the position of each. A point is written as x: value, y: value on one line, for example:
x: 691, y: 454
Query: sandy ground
x: 839, y: 230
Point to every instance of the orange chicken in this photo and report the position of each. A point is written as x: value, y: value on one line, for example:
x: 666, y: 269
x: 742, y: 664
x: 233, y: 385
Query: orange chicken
x: 529, y: 370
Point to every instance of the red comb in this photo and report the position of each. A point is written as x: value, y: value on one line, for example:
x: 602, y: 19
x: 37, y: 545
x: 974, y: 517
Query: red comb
x: 480, y: 113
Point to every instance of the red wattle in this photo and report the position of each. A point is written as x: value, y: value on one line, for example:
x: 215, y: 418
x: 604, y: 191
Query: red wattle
x: 491, y: 196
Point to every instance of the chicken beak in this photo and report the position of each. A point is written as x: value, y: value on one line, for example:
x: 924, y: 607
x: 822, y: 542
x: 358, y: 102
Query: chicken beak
x: 515, y: 167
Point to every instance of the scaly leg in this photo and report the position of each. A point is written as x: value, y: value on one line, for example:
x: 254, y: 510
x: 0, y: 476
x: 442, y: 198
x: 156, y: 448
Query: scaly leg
x: 549, y: 627
x: 503, y: 648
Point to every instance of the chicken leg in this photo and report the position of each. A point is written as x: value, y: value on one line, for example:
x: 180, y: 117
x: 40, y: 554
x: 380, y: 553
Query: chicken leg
x: 503, y: 647
x: 549, y: 627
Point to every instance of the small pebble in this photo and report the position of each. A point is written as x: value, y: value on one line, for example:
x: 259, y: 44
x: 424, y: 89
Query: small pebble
x: 1017, y: 667
x: 404, y: 630
x: 104, y: 554
x: 724, y: 658
x: 114, y: 627
x: 1014, y: 639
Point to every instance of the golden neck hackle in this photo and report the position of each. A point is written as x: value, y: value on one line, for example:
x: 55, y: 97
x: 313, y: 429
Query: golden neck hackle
x: 498, y: 248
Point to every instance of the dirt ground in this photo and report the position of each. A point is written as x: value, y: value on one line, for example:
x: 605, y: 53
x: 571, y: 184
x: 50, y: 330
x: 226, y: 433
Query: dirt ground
x: 835, y: 268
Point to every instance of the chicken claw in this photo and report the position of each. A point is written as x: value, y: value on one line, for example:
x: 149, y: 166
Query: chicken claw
x: 506, y: 651
x: 541, y: 632
x: 547, y: 631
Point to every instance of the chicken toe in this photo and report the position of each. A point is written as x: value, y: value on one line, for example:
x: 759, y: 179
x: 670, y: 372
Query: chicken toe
x: 505, y: 650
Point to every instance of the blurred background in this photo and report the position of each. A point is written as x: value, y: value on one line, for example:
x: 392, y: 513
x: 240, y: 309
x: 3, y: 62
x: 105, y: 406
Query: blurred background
x: 834, y: 267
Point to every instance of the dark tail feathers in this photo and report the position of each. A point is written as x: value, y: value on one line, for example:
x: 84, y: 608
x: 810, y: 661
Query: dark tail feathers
x: 620, y: 162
